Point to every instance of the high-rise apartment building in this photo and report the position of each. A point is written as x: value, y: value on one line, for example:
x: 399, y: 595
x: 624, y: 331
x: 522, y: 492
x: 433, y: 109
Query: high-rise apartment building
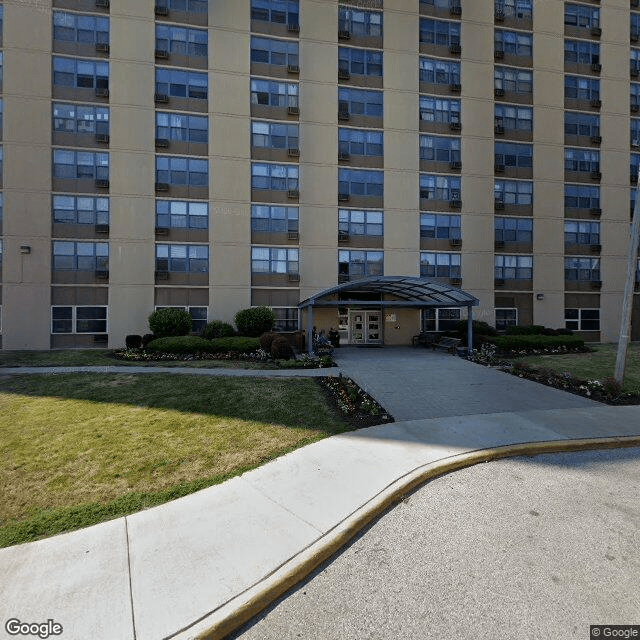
x: 222, y: 154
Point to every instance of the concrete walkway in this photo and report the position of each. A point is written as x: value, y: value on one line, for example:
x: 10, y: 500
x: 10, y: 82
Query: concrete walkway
x: 215, y: 557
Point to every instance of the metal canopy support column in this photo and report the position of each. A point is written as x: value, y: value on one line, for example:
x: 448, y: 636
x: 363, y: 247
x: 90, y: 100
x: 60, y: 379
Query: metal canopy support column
x: 310, y: 326
x: 469, y: 328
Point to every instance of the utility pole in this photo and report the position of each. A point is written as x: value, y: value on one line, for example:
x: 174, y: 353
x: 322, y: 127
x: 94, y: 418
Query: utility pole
x: 627, y: 301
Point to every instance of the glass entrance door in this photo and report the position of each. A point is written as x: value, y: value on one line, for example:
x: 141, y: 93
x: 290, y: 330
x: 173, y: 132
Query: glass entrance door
x: 365, y: 327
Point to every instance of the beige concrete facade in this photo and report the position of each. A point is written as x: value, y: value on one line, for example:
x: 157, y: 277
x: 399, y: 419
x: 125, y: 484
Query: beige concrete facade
x: 252, y: 259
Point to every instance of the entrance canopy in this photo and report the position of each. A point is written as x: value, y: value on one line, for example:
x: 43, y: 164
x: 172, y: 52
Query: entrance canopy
x: 395, y: 291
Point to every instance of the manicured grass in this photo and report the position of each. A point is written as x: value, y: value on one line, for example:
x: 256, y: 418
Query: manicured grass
x: 78, y: 449
x: 597, y: 365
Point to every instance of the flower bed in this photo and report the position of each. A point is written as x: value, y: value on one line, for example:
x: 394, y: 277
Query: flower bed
x: 356, y: 406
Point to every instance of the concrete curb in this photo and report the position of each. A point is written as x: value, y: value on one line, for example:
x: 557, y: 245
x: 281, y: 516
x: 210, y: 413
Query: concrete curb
x: 234, y: 613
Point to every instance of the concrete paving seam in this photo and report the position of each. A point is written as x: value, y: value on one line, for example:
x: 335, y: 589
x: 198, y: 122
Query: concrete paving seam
x: 230, y: 616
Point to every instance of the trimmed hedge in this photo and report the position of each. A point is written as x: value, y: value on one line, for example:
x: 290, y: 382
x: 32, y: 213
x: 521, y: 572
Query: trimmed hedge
x: 255, y: 321
x: 195, y: 344
x: 537, y: 330
x: 170, y: 322
x: 216, y: 329
x: 508, y: 344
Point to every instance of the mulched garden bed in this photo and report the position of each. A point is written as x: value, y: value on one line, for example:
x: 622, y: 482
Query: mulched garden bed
x: 358, y: 408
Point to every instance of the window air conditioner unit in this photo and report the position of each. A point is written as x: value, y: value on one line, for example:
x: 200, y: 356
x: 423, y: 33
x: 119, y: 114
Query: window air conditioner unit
x: 499, y: 168
x: 499, y: 15
x: 162, y: 186
x: 293, y: 68
x: 102, y: 137
x: 498, y: 92
x: 102, y: 92
x: 293, y: 235
x: 455, y: 87
x: 343, y: 197
x: 344, y: 155
x: 635, y: 108
x: 455, y: 126
x: 455, y: 242
x: 343, y: 236
x: 162, y: 231
x: 498, y: 204
x: 101, y: 274
x: 499, y: 129
x: 596, y: 66
x: 498, y: 54
x: 161, y: 54
x: 596, y: 175
x: 102, y: 183
x: 293, y: 277
x: 596, y: 212
x: 293, y: 194
x: 293, y: 111
x: 102, y: 47
x: 162, y: 275
x: 161, y: 10
x: 455, y: 203
x: 162, y: 143
x: 344, y: 34
x: 293, y: 152
x: 596, y: 284
x: 499, y: 244
x: 293, y: 27
x: 160, y: 98
x: 455, y: 48
x: 596, y: 103
x: 596, y: 31
x: 343, y: 115
x: 102, y: 4
x: 456, y: 282
x: 456, y: 165
x: 455, y: 9
x: 102, y: 228
x: 343, y: 74
x: 596, y: 248
x: 100, y: 338
x: 596, y: 139
x: 633, y: 72
x: 499, y: 282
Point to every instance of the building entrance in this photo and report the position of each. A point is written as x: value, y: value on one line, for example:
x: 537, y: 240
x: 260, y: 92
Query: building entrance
x: 365, y: 326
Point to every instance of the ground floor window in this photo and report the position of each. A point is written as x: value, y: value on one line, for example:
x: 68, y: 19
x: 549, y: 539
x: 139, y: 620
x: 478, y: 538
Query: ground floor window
x: 78, y: 319
x: 440, y: 319
x: 506, y: 318
x: 286, y: 318
x: 198, y: 316
x: 582, y: 319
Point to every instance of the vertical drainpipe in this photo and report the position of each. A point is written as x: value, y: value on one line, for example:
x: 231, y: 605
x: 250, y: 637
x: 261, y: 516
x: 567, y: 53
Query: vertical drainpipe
x: 469, y: 328
x: 310, y: 326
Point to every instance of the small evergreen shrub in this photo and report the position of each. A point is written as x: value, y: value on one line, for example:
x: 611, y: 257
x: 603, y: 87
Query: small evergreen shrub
x: 170, y: 322
x: 216, y: 329
x: 255, y: 321
x: 281, y: 349
x: 133, y: 341
x: 480, y: 328
x: 196, y: 344
x: 146, y: 339
x: 236, y: 344
x: 266, y: 340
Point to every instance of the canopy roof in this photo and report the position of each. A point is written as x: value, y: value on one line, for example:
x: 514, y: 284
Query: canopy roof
x: 408, y: 291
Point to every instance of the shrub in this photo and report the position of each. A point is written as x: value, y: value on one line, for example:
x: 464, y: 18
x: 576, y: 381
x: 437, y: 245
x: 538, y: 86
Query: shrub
x: 195, y: 344
x: 170, y: 322
x: 612, y: 387
x: 528, y: 343
x: 255, y: 321
x: 281, y: 349
x: 537, y: 330
x: 133, y: 341
x: 266, y: 340
x: 480, y: 328
x: 146, y: 339
x: 216, y: 329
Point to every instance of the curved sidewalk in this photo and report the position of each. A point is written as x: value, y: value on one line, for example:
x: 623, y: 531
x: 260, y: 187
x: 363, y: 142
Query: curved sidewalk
x: 200, y: 565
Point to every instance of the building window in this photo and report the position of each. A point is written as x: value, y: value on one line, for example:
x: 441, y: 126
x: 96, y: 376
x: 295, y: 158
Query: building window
x: 581, y: 232
x: 275, y: 260
x: 581, y: 124
x: 514, y: 43
x: 80, y: 256
x: 440, y: 319
x: 581, y: 52
x: 182, y: 127
x: 440, y: 226
x: 69, y: 164
x: 360, y: 142
x: 634, y: 165
x: 276, y: 11
x: 273, y: 219
x: 192, y: 6
x: 274, y: 93
x: 634, y: 60
x: 582, y: 319
x: 514, y: 118
x: 515, y: 192
x: 198, y: 316
x: 179, y: 171
x: 441, y: 110
x: 635, y: 25
x: 178, y: 214
x: 1, y: 65
x: 581, y: 197
x: 514, y: 230
x: 580, y: 15
x: 634, y: 130
x: 506, y: 318
x: 184, y: 258
x: 80, y: 28
x: 439, y: 32
x: 513, y: 80
x: 355, y: 265
x: 360, y: 102
x: 286, y: 318
x: 360, y: 23
x: 434, y: 187
x: 276, y: 177
x: 360, y: 183
x: 181, y: 84
x: 439, y: 149
x: 80, y: 74
x: 513, y: 267
x: 181, y: 41
x: 580, y: 88
x: 360, y: 223
x: 446, y: 72
x: 274, y: 135
x: 515, y: 8
x: 440, y: 265
x: 360, y: 62
x: 281, y: 53
x: 72, y: 209
x: 78, y: 320
x: 513, y: 155
x: 584, y: 160
x: 582, y: 269
x: 80, y: 118
x: 634, y: 94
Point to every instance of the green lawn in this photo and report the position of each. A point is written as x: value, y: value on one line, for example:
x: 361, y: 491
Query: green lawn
x: 78, y: 449
x: 597, y: 365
